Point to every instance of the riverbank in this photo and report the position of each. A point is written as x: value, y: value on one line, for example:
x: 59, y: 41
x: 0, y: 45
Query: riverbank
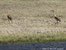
x: 33, y: 38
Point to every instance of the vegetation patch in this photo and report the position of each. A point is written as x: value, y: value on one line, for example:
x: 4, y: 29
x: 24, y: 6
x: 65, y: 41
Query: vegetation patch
x: 35, y: 38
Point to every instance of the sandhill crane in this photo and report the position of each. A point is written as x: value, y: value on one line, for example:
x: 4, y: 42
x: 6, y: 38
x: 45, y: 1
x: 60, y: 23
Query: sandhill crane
x: 57, y: 19
x: 53, y: 15
x: 9, y: 18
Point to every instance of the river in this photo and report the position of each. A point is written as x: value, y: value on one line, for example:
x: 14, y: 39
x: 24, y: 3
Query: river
x: 45, y: 46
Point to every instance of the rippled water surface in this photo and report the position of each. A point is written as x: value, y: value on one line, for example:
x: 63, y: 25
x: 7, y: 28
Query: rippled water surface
x: 46, y: 46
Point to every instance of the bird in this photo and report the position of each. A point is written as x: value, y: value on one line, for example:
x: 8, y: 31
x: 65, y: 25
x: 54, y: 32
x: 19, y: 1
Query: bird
x: 57, y: 19
x: 9, y: 17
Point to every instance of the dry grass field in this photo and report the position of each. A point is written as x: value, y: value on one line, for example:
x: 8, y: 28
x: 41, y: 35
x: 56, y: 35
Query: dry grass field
x: 32, y: 21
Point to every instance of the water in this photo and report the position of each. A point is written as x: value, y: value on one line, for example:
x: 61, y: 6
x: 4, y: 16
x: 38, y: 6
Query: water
x: 46, y: 46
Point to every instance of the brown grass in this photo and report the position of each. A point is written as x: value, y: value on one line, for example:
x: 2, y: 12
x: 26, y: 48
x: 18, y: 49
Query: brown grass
x: 32, y: 17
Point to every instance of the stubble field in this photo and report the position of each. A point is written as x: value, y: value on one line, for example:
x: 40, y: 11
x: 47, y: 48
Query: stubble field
x: 32, y: 21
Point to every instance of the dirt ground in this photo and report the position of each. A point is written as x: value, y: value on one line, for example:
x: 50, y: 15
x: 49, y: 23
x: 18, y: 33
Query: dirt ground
x: 32, y: 16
